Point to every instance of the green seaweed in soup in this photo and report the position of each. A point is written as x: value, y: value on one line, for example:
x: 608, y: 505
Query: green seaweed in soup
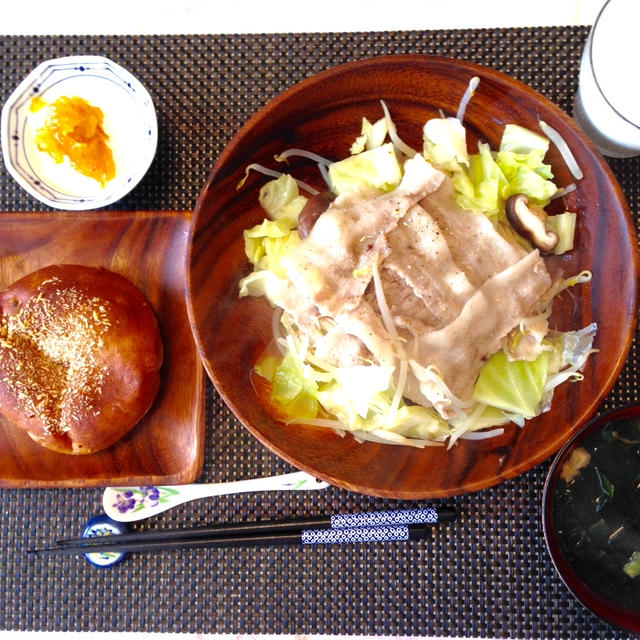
x: 596, y: 512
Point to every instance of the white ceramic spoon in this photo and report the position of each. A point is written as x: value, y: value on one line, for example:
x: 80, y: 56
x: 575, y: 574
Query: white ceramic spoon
x: 128, y: 504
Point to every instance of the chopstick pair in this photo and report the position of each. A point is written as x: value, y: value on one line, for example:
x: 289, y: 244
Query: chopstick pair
x: 378, y: 526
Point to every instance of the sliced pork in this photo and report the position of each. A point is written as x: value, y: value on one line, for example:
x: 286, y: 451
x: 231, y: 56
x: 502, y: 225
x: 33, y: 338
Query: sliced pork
x: 332, y: 265
x: 459, y: 350
x: 454, y: 287
x: 421, y: 258
x: 475, y: 244
x: 365, y: 323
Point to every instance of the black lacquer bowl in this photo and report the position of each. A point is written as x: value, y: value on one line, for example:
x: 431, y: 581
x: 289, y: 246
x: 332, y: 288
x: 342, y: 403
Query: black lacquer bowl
x: 591, y: 516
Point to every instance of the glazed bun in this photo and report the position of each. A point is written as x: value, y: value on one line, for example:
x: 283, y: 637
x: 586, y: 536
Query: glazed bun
x: 80, y: 353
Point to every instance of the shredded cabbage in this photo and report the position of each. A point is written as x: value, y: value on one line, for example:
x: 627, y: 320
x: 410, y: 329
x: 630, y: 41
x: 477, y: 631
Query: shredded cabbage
x: 371, y: 135
x: 268, y: 242
x: 293, y: 388
x: 275, y: 194
x: 517, y: 167
x: 482, y: 186
x: 445, y: 144
x: 375, y: 169
x: 564, y: 226
x: 517, y: 139
x: 513, y: 386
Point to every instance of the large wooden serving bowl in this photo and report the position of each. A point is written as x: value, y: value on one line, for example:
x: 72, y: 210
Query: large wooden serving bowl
x: 323, y: 114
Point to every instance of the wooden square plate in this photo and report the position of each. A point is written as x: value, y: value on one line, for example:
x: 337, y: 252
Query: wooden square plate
x: 148, y: 248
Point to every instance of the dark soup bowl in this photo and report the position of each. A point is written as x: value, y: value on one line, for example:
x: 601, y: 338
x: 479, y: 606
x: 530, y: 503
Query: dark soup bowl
x: 591, y: 516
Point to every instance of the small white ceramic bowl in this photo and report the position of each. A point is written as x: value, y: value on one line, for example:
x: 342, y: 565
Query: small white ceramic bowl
x: 129, y: 121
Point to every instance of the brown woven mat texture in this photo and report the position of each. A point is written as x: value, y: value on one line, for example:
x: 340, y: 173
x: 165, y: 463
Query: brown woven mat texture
x: 486, y: 575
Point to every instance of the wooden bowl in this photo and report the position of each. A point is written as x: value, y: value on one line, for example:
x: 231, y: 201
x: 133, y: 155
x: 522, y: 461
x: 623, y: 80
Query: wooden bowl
x: 323, y: 114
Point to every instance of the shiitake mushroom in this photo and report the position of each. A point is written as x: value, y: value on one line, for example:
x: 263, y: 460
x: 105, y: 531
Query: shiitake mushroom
x: 529, y: 220
x: 312, y: 210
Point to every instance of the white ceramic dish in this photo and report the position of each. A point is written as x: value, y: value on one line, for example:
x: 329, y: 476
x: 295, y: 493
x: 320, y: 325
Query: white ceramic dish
x: 129, y: 121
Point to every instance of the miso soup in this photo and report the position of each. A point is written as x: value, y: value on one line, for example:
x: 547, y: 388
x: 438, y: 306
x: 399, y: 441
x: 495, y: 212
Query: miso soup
x: 595, y: 512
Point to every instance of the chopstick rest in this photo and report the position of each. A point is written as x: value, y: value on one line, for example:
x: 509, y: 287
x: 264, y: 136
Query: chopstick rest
x: 379, y: 526
x: 99, y: 527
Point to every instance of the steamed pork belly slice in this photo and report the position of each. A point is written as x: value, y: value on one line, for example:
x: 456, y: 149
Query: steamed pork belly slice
x: 459, y: 350
x: 366, y: 325
x: 331, y: 266
x: 304, y: 314
x: 475, y: 244
x: 532, y: 331
x: 341, y: 349
x: 352, y: 338
x: 407, y: 310
x: 330, y: 342
x: 421, y: 258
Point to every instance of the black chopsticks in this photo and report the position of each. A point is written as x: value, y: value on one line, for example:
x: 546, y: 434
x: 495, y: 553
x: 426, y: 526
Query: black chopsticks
x: 378, y: 526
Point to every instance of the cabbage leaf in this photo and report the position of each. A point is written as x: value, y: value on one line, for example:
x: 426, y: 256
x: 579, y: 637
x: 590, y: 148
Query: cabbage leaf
x: 376, y: 168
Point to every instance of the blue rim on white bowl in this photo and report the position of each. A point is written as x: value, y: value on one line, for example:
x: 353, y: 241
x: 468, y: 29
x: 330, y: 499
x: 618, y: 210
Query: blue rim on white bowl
x: 129, y: 121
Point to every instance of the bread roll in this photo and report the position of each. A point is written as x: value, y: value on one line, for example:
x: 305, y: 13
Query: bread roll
x: 80, y: 353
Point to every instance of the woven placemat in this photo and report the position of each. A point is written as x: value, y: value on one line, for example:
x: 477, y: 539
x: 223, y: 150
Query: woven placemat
x: 488, y: 574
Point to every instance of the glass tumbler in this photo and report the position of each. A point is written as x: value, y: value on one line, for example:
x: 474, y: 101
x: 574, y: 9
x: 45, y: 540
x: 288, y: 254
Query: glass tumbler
x: 607, y: 104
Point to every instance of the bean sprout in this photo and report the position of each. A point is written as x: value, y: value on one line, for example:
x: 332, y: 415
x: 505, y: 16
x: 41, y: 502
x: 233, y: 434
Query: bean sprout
x: 563, y: 148
x: 274, y: 174
x: 403, y: 147
x: 468, y: 94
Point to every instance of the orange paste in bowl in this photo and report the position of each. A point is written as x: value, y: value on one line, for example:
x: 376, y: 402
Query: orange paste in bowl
x: 73, y: 128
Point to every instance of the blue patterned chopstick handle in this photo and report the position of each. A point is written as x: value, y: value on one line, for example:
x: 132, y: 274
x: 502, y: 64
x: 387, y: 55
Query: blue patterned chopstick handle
x: 428, y: 515
x: 358, y: 534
